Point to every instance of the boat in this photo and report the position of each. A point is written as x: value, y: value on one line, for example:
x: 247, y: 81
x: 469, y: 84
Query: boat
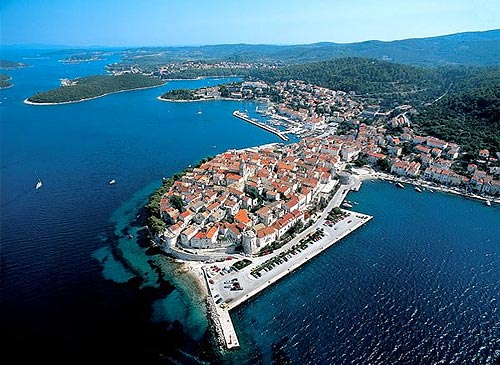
x: 38, y: 184
x: 130, y: 236
x: 431, y: 190
x: 399, y: 185
x: 214, y: 146
x: 111, y: 182
x: 488, y: 203
x: 347, y: 205
x: 199, y: 111
x: 417, y: 189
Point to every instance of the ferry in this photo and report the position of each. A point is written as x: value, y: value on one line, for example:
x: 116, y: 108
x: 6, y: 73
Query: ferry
x: 417, y: 189
x: 399, y: 185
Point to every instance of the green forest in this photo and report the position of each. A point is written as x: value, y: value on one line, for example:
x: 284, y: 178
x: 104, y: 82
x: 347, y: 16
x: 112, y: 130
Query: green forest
x: 470, y: 118
x: 362, y: 75
x: 5, y: 81
x: 93, y: 86
x: 180, y: 94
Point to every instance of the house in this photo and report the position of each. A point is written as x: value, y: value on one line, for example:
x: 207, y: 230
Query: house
x: 484, y: 154
x: 242, y: 217
x: 266, y: 236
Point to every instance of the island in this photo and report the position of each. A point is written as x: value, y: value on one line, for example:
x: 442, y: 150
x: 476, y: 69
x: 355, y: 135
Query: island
x: 180, y: 95
x: 11, y: 65
x: 5, y: 81
x: 91, y: 87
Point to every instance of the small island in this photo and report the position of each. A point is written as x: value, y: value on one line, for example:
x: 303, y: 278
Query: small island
x: 91, y: 87
x: 11, y: 65
x: 180, y: 95
x: 5, y: 81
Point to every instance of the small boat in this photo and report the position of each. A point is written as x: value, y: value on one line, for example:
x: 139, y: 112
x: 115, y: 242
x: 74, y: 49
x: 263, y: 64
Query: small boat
x: 130, y: 236
x: 399, y: 185
x: 347, y: 205
x: 417, y: 189
x: 38, y: 184
x: 431, y: 190
x: 199, y: 111
x: 111, y: 182
x: 214, y: 146
x: 488, y: 203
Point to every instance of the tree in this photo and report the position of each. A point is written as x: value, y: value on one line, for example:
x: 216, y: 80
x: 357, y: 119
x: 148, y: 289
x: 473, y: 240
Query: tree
x: 177, y: 202
x: 384, y: 164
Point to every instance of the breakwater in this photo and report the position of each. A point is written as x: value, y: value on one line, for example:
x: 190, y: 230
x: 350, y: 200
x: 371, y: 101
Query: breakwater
x: 244, y: 117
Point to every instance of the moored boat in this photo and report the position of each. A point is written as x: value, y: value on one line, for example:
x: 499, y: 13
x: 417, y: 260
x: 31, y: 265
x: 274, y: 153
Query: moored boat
x: 417, y: 189
x: 399, y: 185
x: 488, y: 203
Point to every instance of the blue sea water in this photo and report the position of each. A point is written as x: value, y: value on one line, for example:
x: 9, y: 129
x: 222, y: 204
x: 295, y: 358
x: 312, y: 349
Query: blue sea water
x: 418, y: 284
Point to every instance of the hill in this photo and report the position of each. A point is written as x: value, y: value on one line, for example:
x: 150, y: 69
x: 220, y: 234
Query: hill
x: 471, y: 48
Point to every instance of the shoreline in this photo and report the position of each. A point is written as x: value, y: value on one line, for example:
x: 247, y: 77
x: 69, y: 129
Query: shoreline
x: 26, y: 101
x: 197, y: 100
x: 426, y: 184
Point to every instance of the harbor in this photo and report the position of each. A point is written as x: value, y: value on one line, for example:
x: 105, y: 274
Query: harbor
x: 229, y: 287
x: 255, y: 122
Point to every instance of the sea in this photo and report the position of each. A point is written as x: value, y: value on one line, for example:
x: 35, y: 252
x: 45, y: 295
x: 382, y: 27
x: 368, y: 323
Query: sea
x: 418, y: 284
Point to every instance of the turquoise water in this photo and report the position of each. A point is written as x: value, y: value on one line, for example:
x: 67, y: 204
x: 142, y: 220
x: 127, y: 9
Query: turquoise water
x: 418, y: 284
x: 70, y: 275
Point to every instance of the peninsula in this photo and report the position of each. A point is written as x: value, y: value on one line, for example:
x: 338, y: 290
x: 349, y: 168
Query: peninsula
x: 91, y: 87
x: 246, y: 218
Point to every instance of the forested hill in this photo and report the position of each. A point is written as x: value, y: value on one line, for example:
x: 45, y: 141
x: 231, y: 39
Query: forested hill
x: 361, y: 75
x: 470, y: 118
x: 94, y: 86
x: 471, y: 48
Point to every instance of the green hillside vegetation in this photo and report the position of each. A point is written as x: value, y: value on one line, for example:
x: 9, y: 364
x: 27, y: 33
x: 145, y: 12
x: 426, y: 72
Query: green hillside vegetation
x: 471, y: 48
x: 10, y: 65
x: 93, y: 86
x: 364, y: 76
x: 180, y: 94
x: 470, y: 118
x: 5, y: 81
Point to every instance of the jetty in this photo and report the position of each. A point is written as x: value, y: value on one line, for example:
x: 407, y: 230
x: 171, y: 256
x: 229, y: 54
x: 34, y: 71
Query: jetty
x: 243, y: 116
x: 229, y: 287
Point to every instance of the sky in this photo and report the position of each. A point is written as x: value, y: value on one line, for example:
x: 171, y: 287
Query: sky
x: 199, y: 22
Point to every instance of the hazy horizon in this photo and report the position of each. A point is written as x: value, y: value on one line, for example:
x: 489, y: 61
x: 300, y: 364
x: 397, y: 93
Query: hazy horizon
x: 156, y: 23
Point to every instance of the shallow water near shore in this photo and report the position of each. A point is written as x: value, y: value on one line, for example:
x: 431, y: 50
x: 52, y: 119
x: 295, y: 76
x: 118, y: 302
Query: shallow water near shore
x: 417, y: 284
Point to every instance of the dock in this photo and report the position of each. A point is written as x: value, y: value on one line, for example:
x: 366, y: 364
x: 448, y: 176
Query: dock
x: 221, y: 289
x: 275, y: 131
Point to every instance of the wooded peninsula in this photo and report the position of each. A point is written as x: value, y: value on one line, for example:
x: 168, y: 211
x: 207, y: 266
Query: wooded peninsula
x: 90, y: 87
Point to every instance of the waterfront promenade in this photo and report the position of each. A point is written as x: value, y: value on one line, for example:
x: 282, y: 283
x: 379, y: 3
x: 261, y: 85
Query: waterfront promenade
x: 221, y: 287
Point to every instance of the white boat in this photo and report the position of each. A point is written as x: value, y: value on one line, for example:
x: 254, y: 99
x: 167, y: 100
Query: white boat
x: 488, y: 203
x: 417, y: 189
x: 399, y: 185
x: 38, y: 184
x: 347, y: 205
x: 199, y: 111
x: 111, y: 182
